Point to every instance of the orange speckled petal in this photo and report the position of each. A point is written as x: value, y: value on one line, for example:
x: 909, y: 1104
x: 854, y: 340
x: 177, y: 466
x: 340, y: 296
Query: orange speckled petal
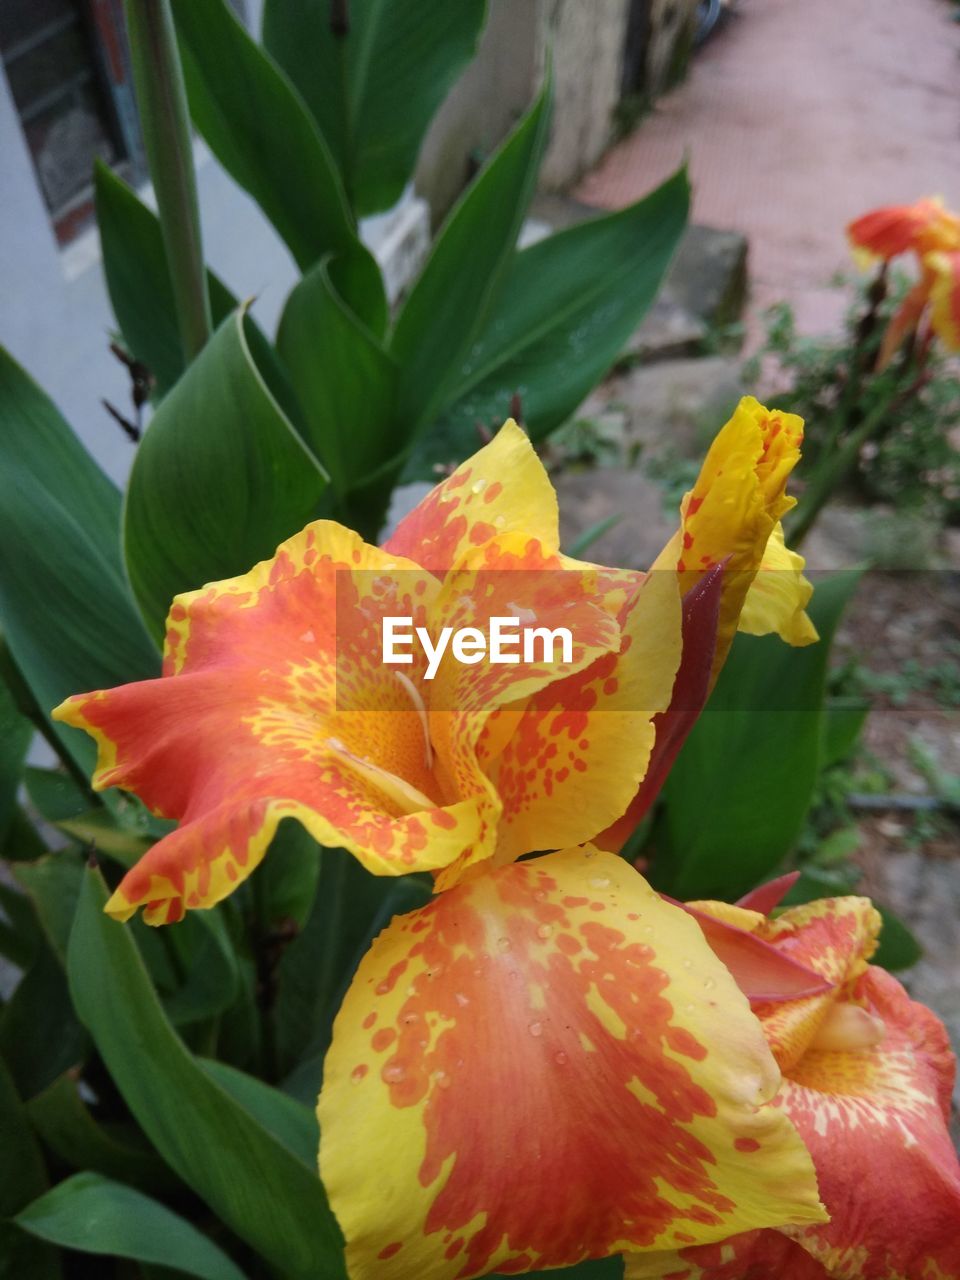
x: 876, y: 1124
x: 277, y: 703
x: 754, y: 1255
x: 503, y: 488
x: 546, y: 1064
x: 779, y: 595
x: 734, y: 507
x: 835, y: 938
x: 582, y: 745
x: 945, y: 297
x: 513, y: 576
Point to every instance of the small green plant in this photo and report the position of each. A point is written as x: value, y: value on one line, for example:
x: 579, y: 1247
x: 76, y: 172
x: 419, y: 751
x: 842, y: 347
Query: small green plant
x: 910, y: 461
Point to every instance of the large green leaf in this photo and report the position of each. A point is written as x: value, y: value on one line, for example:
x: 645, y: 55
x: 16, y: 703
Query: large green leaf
x: 22, y: 1176
x: 565, y: 312
x: 263, y: 135
x: 65, y: 608
x: 261, y: 1190
x: 96, y: 1215
x: 735, y: 801
x: 374, y: 89
x: 344, y: 380
x: 220, y: 478
x: 40, y: 1037
x: 449, y: 304
x: 291, y: 1122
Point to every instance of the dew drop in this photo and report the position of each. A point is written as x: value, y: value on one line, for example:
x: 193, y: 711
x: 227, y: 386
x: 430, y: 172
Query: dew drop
x: 357, y: 1074
x: 478, y: 486
x: 535, y: 1028
x: 499, y: 522
x: 600, y: 882
x: 688, y: 963
x: 561, y: 1058
x: 708, y: 984
x: 393, y: 1073
x: 409, y: 1019
x: 461, y: 999
x: 503, y: 944
x: 545, y: 931
x: 442, y: 1080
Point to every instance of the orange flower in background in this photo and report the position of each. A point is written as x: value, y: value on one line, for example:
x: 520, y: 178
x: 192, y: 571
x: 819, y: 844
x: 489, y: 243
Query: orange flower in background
x: 932, y: 233
x: 868, y: 1076
x: 546, y: 1063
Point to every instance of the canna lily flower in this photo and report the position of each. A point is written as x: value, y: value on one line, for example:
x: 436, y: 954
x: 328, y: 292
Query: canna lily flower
x: 547, y: 1061
x: 868, y: 1075
x: 932, y: 233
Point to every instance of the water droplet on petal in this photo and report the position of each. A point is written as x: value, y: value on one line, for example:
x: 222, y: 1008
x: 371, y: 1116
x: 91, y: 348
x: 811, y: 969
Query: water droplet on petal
x: 545, y: 931
x: 600, y: 882
x: 461, y: 999
x: 478, y: 486
x: 561, y: 1058
x: 442, y: 1080
x: 708, y: 984
x: 357, y: 1074
x: 503, y: 944
x: 409, y: 1019
x: 393, y: 1073
x: 535, y: 1028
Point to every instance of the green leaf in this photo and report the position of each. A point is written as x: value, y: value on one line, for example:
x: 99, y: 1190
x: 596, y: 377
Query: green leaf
x: 374, y: 90
x: 138, y: 279
x: 259, y: 129
x: 65, y: 1124
x: 567, y: 307
x: 291, y: 1122
x: 40, y: 1037
x: 290, y: 875
x: 15, y: 735
x: 65, y: 607
x: 208, y: 964
x: 735, y: 801
x: 96, y: 1215
x: 53, y: 886
x: 449, y: 304
x: 261, y: 1191
x: 220, y: 478
x: 843, y: 723
x: 899, y: 948
x: 344, y: 379
x: 22, y: 1177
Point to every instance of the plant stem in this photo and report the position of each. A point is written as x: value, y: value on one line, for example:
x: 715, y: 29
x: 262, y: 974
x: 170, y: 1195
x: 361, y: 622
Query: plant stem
x: 162, y: 99
x: 836, y: 469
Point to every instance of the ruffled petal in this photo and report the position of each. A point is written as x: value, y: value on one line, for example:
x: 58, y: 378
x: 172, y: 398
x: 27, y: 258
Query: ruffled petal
x: 729, y: 515
x: 276, y: 703
x: 905, y: 320
x: 547, y: 1064
x: 778, y: 596
x: 503, y: 488
x: 754, y: 1255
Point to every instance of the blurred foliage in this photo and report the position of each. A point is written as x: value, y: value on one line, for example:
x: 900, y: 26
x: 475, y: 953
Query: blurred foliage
x: 914, y: 463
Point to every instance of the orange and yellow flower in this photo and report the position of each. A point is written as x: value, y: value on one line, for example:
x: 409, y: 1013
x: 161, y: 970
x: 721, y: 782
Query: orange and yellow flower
x: 868, y: 1075
x: 932, y: 233
x: 546, y: 1063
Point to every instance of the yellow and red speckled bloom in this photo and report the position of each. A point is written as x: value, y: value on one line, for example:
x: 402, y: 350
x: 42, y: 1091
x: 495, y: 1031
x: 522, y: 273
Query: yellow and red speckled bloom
x: 868, y: 1076
x: 547, y: 1063
x: 932, y: 233
x: 555, y: 1067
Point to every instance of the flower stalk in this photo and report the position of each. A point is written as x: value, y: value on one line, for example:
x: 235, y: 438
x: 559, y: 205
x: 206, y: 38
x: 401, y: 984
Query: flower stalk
x: 162, y: 100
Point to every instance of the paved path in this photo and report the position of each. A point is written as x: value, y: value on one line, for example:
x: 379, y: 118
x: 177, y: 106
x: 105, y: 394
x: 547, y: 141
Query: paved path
x: 797, y: 116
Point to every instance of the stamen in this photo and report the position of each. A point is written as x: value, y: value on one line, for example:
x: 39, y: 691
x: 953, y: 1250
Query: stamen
x: 406, y: 797
x: 420, y: 707
x: 849, y: 1027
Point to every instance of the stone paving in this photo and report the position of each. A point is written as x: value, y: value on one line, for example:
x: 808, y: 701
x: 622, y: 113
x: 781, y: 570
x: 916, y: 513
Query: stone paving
x: 796, y: 116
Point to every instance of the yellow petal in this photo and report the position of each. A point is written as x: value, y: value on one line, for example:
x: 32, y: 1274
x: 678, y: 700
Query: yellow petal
x: 546, y: 1064
x: 503, y: 488
x: 778, y: 595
